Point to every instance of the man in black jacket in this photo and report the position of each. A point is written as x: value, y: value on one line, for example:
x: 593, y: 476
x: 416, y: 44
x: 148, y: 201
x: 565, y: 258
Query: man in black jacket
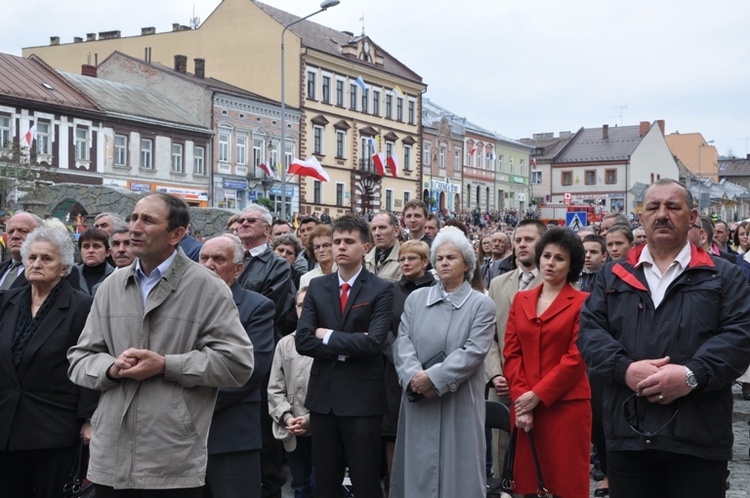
x: 667, y: 330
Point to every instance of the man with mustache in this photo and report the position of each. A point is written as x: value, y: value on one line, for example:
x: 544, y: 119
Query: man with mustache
x: 667, y: 329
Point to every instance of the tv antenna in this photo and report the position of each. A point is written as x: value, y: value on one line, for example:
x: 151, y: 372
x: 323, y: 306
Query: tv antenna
x: 622, y: 108
x: 195, y: 22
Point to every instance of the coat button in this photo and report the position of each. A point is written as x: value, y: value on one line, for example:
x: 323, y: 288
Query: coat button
x: 648, y: 442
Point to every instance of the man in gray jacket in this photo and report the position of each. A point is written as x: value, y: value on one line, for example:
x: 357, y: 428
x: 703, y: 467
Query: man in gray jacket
x: 161, y: 338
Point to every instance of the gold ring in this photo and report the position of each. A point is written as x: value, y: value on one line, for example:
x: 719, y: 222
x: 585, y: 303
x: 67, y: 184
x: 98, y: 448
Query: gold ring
x: 661, y: 398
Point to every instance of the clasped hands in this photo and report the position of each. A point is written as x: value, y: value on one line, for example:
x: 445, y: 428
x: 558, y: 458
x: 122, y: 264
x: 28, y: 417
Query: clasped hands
x: 137, y: 364
x: 299, y: 426
x: 421, y: 384
x: 524, y: 408
x: 657, y: 380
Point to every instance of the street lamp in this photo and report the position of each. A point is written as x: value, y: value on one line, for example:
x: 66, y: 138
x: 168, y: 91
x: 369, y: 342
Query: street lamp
x: 325, y: 5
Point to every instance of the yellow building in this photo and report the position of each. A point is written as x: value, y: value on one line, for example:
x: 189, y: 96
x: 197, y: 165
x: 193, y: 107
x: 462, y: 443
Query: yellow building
x: 698, y: 156
x: 349, y: 90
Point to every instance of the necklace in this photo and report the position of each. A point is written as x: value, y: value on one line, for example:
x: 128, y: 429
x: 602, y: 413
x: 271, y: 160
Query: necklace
x: 544, y: 300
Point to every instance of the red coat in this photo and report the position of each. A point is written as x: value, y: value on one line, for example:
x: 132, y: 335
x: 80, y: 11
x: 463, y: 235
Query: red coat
x: 541, y: 355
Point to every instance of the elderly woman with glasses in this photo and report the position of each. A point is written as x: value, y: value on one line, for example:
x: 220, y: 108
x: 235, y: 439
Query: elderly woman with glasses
x: 319, y: 249
x: 444, y: 335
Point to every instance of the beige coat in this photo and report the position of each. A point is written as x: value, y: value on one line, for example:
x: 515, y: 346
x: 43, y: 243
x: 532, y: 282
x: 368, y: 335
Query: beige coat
x: 287, y: 388
x: 390, y: 270
x: 152, y: 434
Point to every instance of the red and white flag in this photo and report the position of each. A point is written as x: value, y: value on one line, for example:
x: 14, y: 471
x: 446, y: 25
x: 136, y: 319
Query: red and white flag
x: 266, y: 169
x: 378, y: 160
x: 393, y: 164
x: 473, y: 151
x: 311, y: 167
x: 533, y: 163
x: 28, y: 138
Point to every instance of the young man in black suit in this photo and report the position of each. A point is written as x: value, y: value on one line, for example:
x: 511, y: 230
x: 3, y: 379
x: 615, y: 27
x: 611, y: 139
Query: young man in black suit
x: 344, y: 323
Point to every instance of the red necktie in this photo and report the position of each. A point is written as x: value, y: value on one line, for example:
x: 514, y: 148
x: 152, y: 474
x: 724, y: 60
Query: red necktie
x: 344, y: 295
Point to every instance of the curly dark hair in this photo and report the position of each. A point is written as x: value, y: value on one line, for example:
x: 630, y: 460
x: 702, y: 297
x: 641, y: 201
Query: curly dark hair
x: 568, y: 241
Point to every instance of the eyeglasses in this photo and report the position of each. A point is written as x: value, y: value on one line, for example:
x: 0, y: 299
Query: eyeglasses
x: 408, y: 258
x: 634, y: 418
x: 248, y: 220
x: 325, y: 246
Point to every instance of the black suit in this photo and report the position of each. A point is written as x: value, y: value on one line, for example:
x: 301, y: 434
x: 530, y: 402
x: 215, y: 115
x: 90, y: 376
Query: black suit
x: 40, y: 408
x: 346, y: 396
x: 235, y: 434
x: 20, y: 280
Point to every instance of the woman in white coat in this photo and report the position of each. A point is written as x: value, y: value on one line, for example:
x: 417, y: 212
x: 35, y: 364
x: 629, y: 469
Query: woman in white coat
x: 445, y: 333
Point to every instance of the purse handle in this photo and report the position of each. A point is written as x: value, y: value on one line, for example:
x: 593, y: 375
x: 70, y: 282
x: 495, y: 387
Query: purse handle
x: 508, y: 482
x: 541, y: 491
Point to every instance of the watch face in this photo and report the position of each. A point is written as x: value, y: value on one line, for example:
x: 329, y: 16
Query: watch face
x: 692, y: 381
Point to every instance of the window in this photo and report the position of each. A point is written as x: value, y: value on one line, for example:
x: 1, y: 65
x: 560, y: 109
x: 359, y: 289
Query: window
x: 340, y: 93
x: 199, y: 165
x: 523, y: 168
x: 590, y: 177
x: 610, y: 176
x: 407, y: 157
x: 224, y: 147
x: 257, y: 153
x: 177, y: 165
x: 147, y: 153
x: 82, y: 143
x: 412, y: 107
x: 407, y: 196
x: 501, y: 162
x: 311, y: 85
x: 327, y: 89
x: 442, y: 157
x: 480, y: 158
x: 567, y: 178
x: 241, y: 150
x: 43, y: 139
x: 426, y: 154
x: 339, y: 194
x: 457, y: 160
x: 4, y: 132
x: 536, y: 177
x: 389, y: 106
x: 389, y: 146
x: 376, y: 102
x: 365, y: 98
x: 353, y: 96
x: 399, y: 109
x: 273, y: 156
x: 317, y: 195
x: 389, y: 199
x: 121, y: 150
x: 318, y: 140
x: 340, y: 141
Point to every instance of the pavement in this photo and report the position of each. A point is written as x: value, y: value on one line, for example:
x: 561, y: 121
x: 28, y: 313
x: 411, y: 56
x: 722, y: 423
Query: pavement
x: 739, y: 467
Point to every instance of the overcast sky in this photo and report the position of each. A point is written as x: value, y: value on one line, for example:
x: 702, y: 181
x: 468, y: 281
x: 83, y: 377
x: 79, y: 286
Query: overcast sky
x: 517, y: 67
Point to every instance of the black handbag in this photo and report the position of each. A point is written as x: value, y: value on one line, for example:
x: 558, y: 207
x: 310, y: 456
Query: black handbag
x: 75, y: 487
x: 508, y: 483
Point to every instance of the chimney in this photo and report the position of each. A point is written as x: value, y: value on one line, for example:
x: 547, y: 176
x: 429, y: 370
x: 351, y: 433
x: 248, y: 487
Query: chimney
x: 77, y: 39
x: 109, y: 35
x: 88, y: 70
x: 148, y: 31
x: 605, y: 132
x: 90, y: 36
x: 180, y: 63
x: 660, y: 123
x: 175, y: 26
x: 54, y: 40
x: 200, y: 68
x: 645, y: 125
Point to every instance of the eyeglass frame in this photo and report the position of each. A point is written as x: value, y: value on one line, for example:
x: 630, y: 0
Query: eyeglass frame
x: 635, y: 428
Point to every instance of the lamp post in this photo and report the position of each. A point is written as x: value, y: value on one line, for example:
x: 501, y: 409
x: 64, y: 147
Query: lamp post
x: 325, y: 5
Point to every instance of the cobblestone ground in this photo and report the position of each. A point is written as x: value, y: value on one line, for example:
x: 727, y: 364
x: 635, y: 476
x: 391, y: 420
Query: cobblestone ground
x: 739, y: 468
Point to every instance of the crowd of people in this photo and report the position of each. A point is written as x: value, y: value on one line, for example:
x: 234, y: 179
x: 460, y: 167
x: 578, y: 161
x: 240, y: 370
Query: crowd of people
x: 363, y: 350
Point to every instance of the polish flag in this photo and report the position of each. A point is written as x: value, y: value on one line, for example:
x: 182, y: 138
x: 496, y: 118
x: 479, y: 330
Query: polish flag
x: 393, y: 164
x: 311, y: 167
x: 28, y: 138
x: 473, y: 151
x: 266, y: 169
x: 378, y: 159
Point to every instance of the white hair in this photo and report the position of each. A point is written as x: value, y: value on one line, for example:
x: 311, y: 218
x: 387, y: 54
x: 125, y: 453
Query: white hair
x: 61, y: 240
x: 265, y: 213
x: 452, y: 235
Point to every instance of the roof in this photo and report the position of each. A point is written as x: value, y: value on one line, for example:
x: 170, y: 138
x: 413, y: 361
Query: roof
x: 210, y: 83
x: 733, y: 166
x: 330, y: 41
x: 130, y: 101
x: 32, y: 79
x: 588, y: 145
x: 549, y: 147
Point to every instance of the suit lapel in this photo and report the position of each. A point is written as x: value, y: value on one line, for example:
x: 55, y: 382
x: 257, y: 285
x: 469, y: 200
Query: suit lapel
x: 512, y: 287
x: 354, y: 291
x: 332, y: 285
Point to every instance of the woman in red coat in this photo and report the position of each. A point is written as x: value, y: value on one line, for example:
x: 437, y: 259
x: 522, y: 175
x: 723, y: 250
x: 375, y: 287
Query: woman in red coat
x: 546, y: 374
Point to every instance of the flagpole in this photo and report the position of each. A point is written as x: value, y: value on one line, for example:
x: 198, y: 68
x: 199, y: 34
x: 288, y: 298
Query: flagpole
x: 323, y: 6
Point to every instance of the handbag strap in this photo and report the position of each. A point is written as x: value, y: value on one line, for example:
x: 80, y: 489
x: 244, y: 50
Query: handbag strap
x: 508, y: 482
x: 541, y: 490
x: 73, y: 486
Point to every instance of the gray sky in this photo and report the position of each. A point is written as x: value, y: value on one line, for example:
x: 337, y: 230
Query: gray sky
x: 514, y: 66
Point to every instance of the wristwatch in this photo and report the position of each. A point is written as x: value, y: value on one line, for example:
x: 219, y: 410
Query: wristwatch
x: 690, y: 379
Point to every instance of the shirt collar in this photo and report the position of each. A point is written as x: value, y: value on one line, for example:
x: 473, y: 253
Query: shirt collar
x: 682, y: 259
x: 162, y: 268
x: 258, y: 250
x: 521, y: 271
x: 351, y: 280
